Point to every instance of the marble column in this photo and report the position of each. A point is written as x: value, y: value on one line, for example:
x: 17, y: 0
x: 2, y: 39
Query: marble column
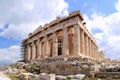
x: 28, y: 52
x: 94, y: 50
x: 33, y: 51
x: 42, y: 49
x: 46, y: 47
x: 65, y: 42
x: 83, y: 42
x: 38, y: 49
x: 55, y: 45
x: 30, y: 45
x: 87, y: 50
x: 90, y: 47
x: 76, y: 40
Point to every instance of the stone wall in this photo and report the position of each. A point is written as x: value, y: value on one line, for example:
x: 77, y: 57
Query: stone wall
x: 115, y: 75
x: 63, y: 66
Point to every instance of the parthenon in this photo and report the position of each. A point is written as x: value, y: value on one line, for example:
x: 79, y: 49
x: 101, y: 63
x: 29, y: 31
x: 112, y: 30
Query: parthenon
x: 65, y: 36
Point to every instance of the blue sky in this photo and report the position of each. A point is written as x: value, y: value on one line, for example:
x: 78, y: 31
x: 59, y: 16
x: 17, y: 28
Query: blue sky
x: 18, y: 18
x: 89, y: 6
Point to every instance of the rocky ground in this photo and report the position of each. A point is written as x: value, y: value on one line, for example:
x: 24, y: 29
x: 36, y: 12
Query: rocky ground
x: 17, y: 71
x: 36, y: 70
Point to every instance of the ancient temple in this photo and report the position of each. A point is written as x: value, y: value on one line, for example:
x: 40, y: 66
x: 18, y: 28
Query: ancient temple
x: 66, y: 36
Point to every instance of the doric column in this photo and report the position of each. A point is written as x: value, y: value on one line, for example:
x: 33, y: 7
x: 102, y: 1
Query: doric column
x: 83, y: 42
x: 38, y: 49
x: 65, y: 42
x: 46, y: 47
x: 87, y: 44
x: 33, y: 50
x: 28, y: 52
x: 97, y: 52
x: 42, y: 49
x: 30, y: 46
x: 90, y: 48
x: 76, y: 40
x: 94, y: 50
x: 55, y: 45
x: 87, y: 52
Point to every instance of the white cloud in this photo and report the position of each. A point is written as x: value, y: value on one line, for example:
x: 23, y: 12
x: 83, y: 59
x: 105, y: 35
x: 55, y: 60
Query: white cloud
x: 109, y: 26
x: 24, y: 16
x: 10, y: 54
x: 117, y: 5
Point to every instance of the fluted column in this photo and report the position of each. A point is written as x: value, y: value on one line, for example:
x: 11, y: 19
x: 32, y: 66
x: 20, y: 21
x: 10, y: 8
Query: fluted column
x: 76, y: 40
x: 28, y: 52
x: 94, y: 50
x: 87, y: 50
x: 83, y: 42
x: 38, y: 49
x: 97, y: 52
x: 46, y: 47
x: 33, y: 50
x: 42, y: 49
x: 55, y: 45
x: 65, y: 42
x: 90, y: 49
x: 30, y: 45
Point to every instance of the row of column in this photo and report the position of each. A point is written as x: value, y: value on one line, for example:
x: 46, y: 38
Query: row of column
x: 88, y: 47
x: 83, y: 45
x: 36, y: 50
x: 39, y: 49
